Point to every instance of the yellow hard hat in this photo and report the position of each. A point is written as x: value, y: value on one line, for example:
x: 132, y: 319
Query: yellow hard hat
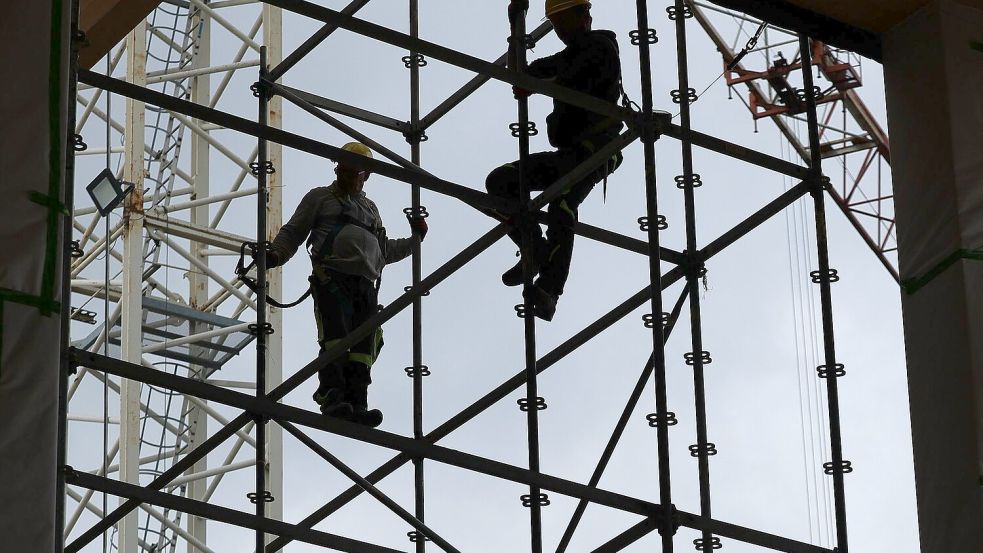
x: 358, y: 148
x: 557, y: 6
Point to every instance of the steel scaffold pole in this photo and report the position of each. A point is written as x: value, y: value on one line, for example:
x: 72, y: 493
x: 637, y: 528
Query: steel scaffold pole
x: 418, y: 371
x: 831, y: 371
x: 260, y: 496
x: 697, y: 357
x: 532, y: 402
x: 646, y: 38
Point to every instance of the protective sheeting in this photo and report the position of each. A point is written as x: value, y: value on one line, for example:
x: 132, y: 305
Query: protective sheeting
x: 934, y: 72
x: 32, y: 150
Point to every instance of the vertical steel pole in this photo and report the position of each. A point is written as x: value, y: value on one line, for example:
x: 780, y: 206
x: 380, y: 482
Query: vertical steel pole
x: 260, y: 496
x: 697, y: 357
x: 273, y: 40
x: 415, y: 137
x: 532, y: 402
x: 666, y: 529
x: 825, y: 276
x: 132, y: 298
x: 197, y: 280
x: 66, y: 274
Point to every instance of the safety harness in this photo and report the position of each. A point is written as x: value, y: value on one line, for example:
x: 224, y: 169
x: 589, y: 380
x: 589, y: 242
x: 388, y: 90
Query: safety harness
x: 316, y: 253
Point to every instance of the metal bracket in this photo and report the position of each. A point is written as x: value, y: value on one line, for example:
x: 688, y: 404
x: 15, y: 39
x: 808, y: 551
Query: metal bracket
x: 674, y: 13
x: 845, y: 467
x: 693, y: 180
x: 421, y: 370
x: 655, y: 421
x: 648, y: 35
x: 541, y: 499
x: 837, y: 371
x: 524, y: 404
x: 517, y: 129
x: 414, y: 60
x: 265, y: 497
x: 710, y: 449
x: 256, y: 168
x: 661, y: 223
x: 703, y: 545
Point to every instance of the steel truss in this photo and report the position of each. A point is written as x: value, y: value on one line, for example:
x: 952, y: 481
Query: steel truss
x: 262, y: 407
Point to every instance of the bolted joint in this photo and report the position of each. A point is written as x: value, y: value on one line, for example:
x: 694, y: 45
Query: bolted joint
x: 262, y: 89
x: 693, y: 265
x: 674, y: 522
x: 415, y: 135
x: 652, y: 125
x: 819, y: 184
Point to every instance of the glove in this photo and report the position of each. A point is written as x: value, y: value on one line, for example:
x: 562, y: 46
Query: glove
x: 272, y: 258
x: 520, y: 92
x: 516, y: 7
x: 419, y: 227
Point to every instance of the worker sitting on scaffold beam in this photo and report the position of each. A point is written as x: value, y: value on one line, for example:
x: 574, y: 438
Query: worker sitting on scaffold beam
x: 590, y: 64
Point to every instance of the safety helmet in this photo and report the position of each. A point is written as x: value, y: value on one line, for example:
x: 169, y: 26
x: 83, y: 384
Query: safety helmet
x: 358, y: 148
x: 557, y: 6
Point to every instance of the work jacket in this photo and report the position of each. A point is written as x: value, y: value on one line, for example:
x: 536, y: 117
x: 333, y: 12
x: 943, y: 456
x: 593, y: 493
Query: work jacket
x: 590, y: 64
x: 344, y: 233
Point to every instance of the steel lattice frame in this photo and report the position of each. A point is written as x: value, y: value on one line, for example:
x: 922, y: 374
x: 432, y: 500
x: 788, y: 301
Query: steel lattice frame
x: 264, y: 407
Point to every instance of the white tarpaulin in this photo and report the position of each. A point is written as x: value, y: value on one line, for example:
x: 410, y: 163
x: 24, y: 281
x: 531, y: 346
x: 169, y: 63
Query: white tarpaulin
x: 32, y: 160
x: 934, y: 76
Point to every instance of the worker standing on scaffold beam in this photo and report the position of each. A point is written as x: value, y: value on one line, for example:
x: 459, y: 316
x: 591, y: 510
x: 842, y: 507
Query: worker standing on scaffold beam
x: 590, y: 64
x: 349, y: 248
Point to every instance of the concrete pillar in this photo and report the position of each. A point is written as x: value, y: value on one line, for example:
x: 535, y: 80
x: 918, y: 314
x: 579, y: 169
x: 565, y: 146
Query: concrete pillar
x: 933, y: 65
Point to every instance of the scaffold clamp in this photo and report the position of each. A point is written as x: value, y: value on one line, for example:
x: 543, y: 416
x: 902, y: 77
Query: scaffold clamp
x: 819, y: 277
x: 78, y: 144
x: 693, y: 180
x: 674, y: 13
x: 678, y: 97
x: 524, y: 404
x: 420, y: 370
x: 661, y: 223
x: 415, y: 536
x: 704, y: 545
x: 709, y: 449
x: 655, y: 421
x: 256, y: 168
x: 650, y: 36
x: 837, y: 371
x: 704, y: 357
x: 265, y: 497
x: 843, y: 467
x: 541, y: 499
x: 529, y: 130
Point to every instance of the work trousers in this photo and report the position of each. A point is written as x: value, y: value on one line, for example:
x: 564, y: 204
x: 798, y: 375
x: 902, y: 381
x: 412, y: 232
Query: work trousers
x: 342, y: 303
x: 541, y: 171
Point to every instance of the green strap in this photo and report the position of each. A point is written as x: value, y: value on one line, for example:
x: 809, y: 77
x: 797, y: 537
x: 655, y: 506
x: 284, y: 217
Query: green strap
x: 912, y: 285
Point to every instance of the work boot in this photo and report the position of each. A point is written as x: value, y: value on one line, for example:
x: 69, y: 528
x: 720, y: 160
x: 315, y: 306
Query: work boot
x: 333, y: 404
x: 513, y: 277
x: 544, y: 303
x: 358, y: 398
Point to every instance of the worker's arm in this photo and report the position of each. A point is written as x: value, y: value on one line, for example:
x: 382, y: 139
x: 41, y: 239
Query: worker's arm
x: 545, y: 68
x: 398, y: 249
x: 293, y: 234
x: 597, y: 61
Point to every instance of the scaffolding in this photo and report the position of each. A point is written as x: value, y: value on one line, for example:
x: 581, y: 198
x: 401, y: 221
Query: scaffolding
x: 263, y: 410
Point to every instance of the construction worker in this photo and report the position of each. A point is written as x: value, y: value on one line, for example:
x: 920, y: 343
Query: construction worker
x: 590, y: 64
x: 348, y: 248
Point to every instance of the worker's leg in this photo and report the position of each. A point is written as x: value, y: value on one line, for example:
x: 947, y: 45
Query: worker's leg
x: 503, y: 182
x: 333, y: 312
x: 561, y: 220
x: 362, y: 356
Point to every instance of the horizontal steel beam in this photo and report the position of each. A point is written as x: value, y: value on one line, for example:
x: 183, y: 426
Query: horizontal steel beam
x: 467, y: 195
x: 495, y: 71
x: 196, y: 233
x: 348, y: 110
x: 220, y: 514
x: 414, y: 448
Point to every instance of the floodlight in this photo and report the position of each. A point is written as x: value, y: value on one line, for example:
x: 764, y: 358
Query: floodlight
x: 107, y: 192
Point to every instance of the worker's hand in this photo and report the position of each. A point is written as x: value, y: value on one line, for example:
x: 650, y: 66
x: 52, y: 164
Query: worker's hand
x: 520, y: 92
x: 419, y: 227
x: 517, y: 7
x: 272, y: 258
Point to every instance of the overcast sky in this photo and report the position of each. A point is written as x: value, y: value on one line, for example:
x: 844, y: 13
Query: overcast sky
x: 760, y: 333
